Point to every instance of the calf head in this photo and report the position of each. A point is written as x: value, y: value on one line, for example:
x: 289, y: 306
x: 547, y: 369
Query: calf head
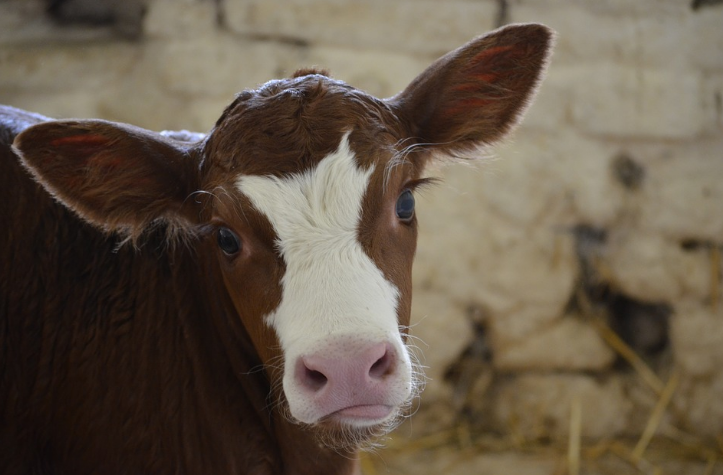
x: 303, y: 193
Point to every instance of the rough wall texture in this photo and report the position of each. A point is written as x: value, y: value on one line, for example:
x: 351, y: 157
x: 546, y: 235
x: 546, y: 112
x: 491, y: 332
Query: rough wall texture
x: 602, y: 217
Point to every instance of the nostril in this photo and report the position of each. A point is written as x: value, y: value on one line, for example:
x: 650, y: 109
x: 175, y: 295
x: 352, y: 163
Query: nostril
x: 382, y: 366
x: 314, y: 380
x: 320, y: 375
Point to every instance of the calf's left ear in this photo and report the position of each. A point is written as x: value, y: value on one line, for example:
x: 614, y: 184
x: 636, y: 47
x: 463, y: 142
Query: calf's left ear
x: 115, y: 176
x: 476, y: 94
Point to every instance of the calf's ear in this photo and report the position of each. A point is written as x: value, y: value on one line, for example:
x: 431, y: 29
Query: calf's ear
x: 115, y: 176
x: 476, y: 94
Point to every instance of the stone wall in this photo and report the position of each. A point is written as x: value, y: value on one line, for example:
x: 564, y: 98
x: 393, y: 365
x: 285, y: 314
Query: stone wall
x: 600, y: 222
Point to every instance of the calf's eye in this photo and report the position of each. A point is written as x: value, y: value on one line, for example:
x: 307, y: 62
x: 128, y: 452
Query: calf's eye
x: 405, y: 206
x: 228, y: 241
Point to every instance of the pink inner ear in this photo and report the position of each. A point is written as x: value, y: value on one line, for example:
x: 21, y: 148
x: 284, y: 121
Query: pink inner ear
x: 481, y: 80
x: 486, y: 68
x: 487, y: 56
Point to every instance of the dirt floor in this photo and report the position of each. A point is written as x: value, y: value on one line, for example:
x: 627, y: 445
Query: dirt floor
x: 456, y: 450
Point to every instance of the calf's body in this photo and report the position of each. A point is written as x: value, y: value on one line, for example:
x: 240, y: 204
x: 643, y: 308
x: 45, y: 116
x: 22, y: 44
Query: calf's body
x: 124, y: 358
x: 235, y: 304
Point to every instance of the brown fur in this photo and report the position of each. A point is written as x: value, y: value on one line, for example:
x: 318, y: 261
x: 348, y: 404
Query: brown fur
x: 155, y: 358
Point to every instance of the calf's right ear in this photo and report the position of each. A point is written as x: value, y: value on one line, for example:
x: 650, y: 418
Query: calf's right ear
x: 476, y: 94
x: 115, y: 176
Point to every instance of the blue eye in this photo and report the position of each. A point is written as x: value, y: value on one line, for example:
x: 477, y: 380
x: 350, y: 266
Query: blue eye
x: 405, y: 206
x: 228, y: 241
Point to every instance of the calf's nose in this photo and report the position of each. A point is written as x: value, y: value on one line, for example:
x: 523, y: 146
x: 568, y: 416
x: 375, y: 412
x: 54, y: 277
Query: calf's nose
x: 352, y: 376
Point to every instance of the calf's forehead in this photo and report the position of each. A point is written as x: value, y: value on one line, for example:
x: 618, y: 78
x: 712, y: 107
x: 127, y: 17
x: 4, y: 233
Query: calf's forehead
x: 288, y: 126
x: 312, y: 157
x: 319, y: 204
x: 330, y: 283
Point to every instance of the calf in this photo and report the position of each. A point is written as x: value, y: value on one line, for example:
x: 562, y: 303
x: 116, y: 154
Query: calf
x: 252, y: 316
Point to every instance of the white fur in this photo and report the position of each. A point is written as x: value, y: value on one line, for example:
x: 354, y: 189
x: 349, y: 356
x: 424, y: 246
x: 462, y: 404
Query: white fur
x: 331, y: 288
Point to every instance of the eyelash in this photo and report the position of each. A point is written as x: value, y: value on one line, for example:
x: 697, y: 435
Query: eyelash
x: 422, y: 183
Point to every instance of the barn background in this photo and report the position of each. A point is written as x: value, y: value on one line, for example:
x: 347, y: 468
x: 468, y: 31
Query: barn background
x: 568, y: 289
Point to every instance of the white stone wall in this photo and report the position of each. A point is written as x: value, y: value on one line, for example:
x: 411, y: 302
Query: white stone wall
x: 638, y: 83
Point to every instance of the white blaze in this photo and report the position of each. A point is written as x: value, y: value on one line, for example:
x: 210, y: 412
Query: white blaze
x: 330, y: 287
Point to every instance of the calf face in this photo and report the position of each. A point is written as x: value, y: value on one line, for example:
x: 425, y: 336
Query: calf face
x: 303, y: 193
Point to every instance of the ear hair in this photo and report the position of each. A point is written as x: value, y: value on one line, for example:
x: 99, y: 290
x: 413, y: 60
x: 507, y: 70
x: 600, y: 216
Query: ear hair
x: 475, y: 95
x: 115, y: 176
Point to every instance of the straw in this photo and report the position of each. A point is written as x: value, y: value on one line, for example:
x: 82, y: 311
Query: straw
x: 715, y: 259
x: 656, y: 416
x: 573, y: 450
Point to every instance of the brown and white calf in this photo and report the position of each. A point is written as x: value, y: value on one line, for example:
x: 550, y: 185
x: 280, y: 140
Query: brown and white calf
x: 255, y: 322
